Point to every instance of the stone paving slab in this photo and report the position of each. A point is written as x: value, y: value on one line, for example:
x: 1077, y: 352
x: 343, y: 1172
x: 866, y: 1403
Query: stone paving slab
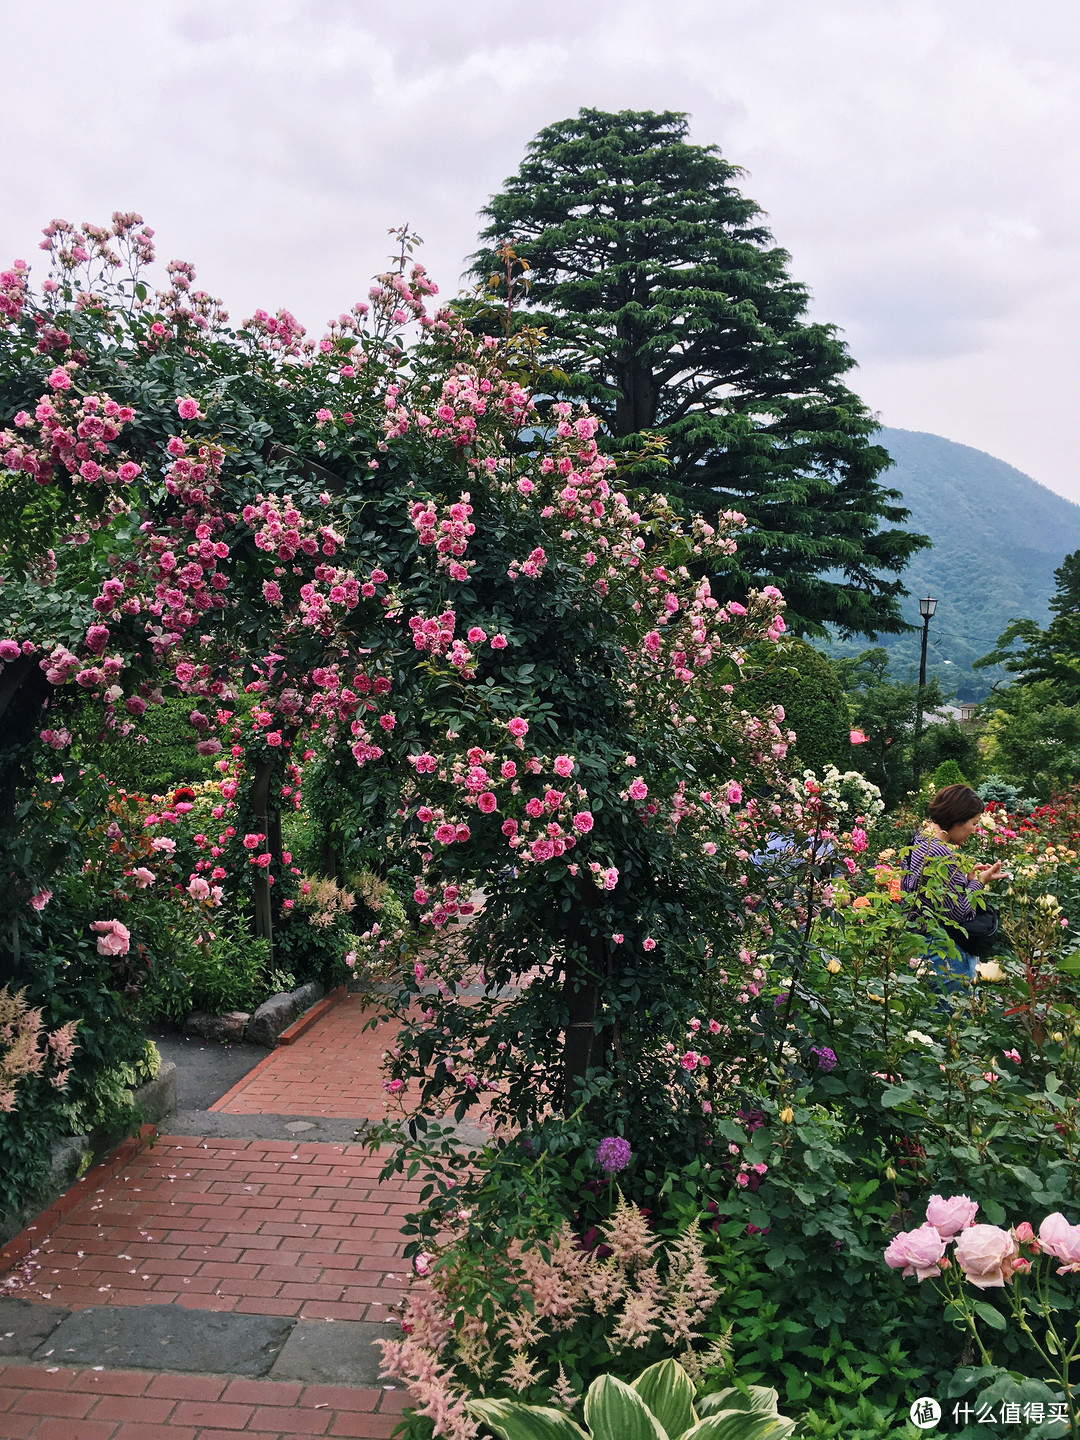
x: 341, y: 1354
x: 24, y: 1326
x: 158, y: 1337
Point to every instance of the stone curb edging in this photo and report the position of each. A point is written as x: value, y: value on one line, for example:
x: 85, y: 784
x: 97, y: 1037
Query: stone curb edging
x: 19, y: 1246
x: 317, y: 1011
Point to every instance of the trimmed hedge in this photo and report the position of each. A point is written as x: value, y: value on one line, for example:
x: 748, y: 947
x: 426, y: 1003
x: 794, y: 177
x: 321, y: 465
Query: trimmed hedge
x: 804, y: 682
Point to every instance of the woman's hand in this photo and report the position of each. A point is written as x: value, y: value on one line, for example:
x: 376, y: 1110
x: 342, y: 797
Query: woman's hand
x: 987, y: 873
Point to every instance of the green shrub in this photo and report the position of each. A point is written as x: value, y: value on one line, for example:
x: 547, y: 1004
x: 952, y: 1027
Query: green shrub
x: 227, y: 972
x: 948, y: 773
x: 803, y: 681
x: 167, y: 759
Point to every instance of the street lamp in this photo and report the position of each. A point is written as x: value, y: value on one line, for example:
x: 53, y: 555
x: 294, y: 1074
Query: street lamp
x: 927, y: 606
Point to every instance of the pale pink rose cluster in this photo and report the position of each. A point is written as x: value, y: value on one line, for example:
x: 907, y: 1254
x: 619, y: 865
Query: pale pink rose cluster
x: 988, y: 1255
x: 113, y: 938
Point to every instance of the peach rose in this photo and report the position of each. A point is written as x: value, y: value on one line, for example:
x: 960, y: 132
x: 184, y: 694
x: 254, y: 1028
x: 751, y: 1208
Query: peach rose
x: 985, y: 1254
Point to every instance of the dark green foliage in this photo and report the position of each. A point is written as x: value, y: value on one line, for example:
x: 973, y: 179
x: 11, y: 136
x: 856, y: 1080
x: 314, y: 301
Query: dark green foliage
x: 1035, y: 738
x: 803, y: 681
x: 1051, y: 655
x: 949, y: 740
x: 670, y: 309
x: 998, y: 536
x: 167, y: 760
x: 226, y: 972
x: 885, y: 712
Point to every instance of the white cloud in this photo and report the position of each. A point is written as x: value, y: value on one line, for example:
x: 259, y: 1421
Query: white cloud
x: 915, y: 156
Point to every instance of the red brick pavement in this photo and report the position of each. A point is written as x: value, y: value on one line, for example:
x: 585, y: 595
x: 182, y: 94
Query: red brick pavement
x: 264, y: 1227
x: 333, y: 1069
x: 252, y: 1226
x: 54, y: 1403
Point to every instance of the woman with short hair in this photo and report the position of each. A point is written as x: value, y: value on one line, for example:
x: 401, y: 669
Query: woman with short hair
x: 954, y: 817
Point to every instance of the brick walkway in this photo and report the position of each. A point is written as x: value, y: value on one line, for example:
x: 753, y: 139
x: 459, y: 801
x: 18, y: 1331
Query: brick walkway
x: 332, y: 1069
x: 254, y: 1227
x: 52, y: 1403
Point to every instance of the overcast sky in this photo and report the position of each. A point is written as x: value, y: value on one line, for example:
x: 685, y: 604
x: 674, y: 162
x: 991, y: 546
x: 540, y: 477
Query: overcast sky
x: 919, y: 158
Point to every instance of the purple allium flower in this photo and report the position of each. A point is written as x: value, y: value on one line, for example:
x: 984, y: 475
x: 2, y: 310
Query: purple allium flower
x: 826, y: 1058
x: 612, y: 1154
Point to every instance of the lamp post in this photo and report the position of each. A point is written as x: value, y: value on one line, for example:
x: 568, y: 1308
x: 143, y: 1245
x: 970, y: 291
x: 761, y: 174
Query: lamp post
x: 927, y: 606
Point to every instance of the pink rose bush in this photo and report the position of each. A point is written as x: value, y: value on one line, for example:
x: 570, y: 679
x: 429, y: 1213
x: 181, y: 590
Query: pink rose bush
x: 113, y: 938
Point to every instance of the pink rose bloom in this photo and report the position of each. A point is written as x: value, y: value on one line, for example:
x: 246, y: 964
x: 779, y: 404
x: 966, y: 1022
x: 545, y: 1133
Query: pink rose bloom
x: 143, y: 877
x: 638, y: 790
x: 9, y: 650
x: 477, y: 636
x: 985, y: 1254
x: 498, y: 642
x: 198, y: 888
x: 583, y: 822
x: 508, y: 770
x: 564, y: 765
x: 40, y: 899
x: 952, y: 1215
x: 424, y: 814
x: 1062, y: 1240
x: 856, y: 737
x: 187, y: 408
x: 113, y: 938
x: 518, y: 727
x: 445, y: 834
x: 487, y: 802
x: 648, y: 943
x: 734, y: 793
x: 461, y: 834
x: 916, y: 1252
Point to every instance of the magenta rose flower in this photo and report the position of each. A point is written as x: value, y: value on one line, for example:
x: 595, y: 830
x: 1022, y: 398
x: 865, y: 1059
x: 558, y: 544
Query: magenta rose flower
x: 950, y: 1216
x: 985, y: 1254
x: 1062, y: 1240
x: 916, y: 1252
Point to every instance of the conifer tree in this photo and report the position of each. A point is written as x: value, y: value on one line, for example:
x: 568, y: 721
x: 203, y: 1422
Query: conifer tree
x: 670, y: 309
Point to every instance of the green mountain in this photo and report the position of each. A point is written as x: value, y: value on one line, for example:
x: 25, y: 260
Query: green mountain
x: 998, y: 538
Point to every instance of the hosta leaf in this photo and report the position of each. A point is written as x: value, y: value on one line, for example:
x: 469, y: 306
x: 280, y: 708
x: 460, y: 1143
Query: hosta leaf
x: 613, y: 1411
x: 668, y: 1391
x: 762, y: 1398
x: 740, y: 1425
x: 511, y: 1420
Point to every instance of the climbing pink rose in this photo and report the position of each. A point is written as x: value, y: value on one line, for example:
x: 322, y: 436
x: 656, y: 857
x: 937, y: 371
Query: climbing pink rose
x: 518, y: 727
x: 1062, y: 1240
x: 487, y: 802
x: 113, y: 938
x: 187, y: 408
x: 583, y: 822
x: 638, y: 790
x: 857, y: 737
x: 952, y: 1215
x: 916, y: 1252
x: 40, y: 899
x: 985, y: 1254
x: 498, y: 642
x: 563, y: 765
x: 143, y: 877
x: 445, y: 834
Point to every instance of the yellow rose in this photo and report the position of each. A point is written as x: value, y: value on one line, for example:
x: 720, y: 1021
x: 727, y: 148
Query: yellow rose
x: 787, y: 1114
x: 833, y: 966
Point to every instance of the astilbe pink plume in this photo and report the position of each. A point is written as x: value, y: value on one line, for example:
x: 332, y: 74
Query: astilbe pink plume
x: 25, y: 1047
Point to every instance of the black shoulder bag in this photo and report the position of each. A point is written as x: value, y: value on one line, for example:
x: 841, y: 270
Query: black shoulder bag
x: 978, y: 935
